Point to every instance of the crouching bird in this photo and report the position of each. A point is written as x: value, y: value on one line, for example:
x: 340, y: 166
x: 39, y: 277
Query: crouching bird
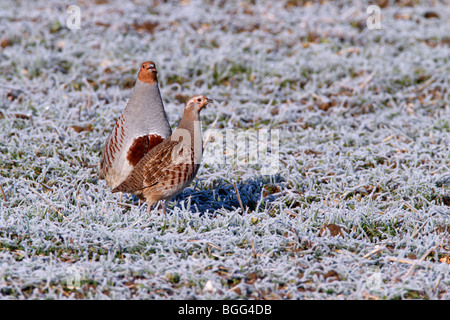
x: 168, y: 168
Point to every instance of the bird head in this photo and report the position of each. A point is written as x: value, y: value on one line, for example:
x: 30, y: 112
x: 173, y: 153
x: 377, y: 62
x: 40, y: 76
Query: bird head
x: 147, y: 72
x: 197, y: 103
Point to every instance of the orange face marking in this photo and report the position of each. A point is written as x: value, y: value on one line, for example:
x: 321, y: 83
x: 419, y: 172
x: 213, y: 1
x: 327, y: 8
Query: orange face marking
x: 147, y: 72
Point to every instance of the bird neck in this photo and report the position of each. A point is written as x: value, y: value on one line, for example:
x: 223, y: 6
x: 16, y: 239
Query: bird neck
x: 145, y: 89
x: 190, y: 123
x: 189, y: 119
x: 145, y: 109
x: 148, y: 77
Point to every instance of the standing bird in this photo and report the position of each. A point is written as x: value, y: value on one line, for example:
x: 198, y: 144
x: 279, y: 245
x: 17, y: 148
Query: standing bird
x: 172, y: 165
x: 142, y: 126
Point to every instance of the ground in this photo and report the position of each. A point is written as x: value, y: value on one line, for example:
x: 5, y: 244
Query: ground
x: 358, y: 206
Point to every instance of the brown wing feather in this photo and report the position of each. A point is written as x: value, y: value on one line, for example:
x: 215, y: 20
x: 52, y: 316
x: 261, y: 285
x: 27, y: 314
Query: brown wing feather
x: 141, y: 146
x: 167, y: 170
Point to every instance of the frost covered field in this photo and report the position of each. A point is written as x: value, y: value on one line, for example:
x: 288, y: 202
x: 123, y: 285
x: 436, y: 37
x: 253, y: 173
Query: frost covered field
x: 358, y: 209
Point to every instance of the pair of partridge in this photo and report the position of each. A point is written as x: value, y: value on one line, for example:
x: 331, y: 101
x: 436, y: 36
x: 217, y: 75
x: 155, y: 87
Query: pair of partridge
x: 141, y: 156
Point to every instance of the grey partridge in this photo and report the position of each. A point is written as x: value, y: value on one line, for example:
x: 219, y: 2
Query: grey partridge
x: 142, y: 125
x: 172, y: 165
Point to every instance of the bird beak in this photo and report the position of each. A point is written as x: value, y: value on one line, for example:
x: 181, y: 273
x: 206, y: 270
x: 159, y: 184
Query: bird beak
x: 207, y: 101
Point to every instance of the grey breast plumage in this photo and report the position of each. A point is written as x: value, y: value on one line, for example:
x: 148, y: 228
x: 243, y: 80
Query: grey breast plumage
x: 142, y: 125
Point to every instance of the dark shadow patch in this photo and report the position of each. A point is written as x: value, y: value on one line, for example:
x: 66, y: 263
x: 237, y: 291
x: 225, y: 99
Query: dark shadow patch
x: 223, y: 195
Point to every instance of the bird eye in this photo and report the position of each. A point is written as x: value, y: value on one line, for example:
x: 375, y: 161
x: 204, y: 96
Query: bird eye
x: 198, y: 100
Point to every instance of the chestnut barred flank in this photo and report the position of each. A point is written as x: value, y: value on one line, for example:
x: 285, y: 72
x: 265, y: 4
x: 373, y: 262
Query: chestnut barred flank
x: 141, y: 146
